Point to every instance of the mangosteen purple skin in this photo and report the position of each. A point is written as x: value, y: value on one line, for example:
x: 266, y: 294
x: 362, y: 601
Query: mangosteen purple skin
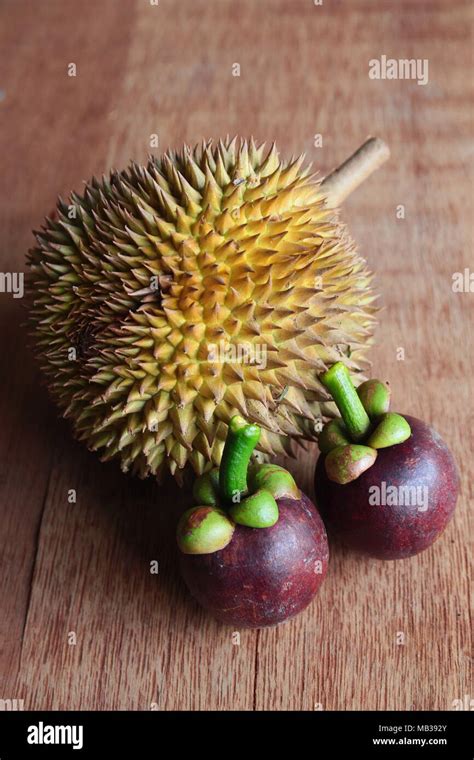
x: 264, y: 575
x: 394, y: 531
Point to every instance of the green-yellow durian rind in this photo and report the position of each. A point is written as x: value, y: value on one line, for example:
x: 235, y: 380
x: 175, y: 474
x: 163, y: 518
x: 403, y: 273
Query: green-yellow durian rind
x: 211, y: 282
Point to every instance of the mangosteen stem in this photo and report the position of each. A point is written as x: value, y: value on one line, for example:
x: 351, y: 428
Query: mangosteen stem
x: 338, y: 382
x: 241, y: 440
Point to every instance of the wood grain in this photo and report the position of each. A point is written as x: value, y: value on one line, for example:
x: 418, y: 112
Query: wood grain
x: 84, y: 568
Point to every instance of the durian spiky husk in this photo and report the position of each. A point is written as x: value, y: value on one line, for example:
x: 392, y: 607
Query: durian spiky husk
x: 136, y: 281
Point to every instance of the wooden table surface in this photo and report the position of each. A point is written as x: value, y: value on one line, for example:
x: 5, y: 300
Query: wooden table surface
x: 83, y: 622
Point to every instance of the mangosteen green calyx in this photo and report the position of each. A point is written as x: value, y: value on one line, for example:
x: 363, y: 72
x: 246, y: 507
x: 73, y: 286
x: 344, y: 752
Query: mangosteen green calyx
x: 385, y: 483
x: 254, y: 550
x: 351, y: 443
x: 207, y: 528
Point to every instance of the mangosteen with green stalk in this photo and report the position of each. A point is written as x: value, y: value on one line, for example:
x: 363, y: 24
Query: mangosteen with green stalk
x: 254, y: 551
x: 385, y: 483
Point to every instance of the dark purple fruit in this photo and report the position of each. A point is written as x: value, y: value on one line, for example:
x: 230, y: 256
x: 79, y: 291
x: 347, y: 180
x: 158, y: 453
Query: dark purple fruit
x: 263, y: 576
x: 401, y: 504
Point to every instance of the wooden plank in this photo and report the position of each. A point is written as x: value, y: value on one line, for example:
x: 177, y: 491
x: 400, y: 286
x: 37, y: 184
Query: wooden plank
x: 26, y: 446
x: 40, y: 160
x: 84, y: 568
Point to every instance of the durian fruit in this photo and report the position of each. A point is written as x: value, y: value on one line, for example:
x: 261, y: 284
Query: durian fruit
x: 211, y: 282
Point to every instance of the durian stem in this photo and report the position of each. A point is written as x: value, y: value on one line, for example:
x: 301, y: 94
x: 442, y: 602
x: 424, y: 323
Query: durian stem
x: 349, y: 175
x: 339, y: 384
x: 240, y: 442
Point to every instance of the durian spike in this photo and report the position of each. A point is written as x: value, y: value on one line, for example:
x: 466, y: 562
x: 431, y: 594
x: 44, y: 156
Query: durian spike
x: 348, y: 176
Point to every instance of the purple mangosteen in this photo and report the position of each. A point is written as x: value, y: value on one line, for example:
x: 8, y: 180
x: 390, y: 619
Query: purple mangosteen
x: 254, y: 552
x: 386, y: 484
